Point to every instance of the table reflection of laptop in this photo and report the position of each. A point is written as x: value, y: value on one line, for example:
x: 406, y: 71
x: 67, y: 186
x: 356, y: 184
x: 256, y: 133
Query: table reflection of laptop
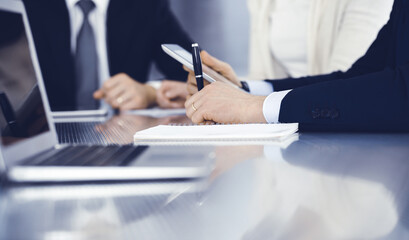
x: 29, y: 147
x: 80, y: 113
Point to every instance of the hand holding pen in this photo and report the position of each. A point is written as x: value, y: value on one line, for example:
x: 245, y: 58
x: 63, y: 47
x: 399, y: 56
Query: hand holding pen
x: 197, y: 66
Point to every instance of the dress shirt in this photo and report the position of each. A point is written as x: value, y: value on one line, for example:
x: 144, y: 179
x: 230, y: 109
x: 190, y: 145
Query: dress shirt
x: 291, y: 18
x: 289, y: 34
x: 97, y: 19
x: 272, y: 104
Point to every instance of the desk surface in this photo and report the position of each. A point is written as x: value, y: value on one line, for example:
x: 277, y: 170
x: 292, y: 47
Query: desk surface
x: 322, y: 186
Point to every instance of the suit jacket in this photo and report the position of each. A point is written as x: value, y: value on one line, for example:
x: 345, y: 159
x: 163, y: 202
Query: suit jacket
x: 135, y: 30
x: 371, y: 96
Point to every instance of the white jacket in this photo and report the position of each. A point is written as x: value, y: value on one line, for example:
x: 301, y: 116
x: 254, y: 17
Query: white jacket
x: 339, y: 32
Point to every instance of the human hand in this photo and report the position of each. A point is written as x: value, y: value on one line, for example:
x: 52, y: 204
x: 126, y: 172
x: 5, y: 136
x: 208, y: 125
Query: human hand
x: 222, y: 103
x: 171, y: 94
x: 220, y: 67
x: 124, y: 93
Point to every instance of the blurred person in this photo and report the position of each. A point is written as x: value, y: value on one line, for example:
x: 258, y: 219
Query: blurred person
x: 371, y: 96
x: 103, y: 49
x: 308, y: 37
x: 297, y: 38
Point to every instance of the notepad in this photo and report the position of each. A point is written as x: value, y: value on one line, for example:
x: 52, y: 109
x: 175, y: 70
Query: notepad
x: 215, y: 133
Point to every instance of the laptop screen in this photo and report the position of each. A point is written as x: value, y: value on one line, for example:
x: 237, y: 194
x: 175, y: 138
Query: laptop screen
x: 22, y: 113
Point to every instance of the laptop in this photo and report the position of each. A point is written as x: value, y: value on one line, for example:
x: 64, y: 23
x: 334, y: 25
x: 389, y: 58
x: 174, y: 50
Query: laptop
x: 29, y: 149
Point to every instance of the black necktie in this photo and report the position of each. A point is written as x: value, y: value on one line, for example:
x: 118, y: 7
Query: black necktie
x: 86, y: 61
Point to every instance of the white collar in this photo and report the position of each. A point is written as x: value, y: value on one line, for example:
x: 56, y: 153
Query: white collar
x: 101, y: 5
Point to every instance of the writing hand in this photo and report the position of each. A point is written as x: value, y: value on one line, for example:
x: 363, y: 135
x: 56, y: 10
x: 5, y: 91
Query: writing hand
x: 221, y: 67
x: 222, y: 103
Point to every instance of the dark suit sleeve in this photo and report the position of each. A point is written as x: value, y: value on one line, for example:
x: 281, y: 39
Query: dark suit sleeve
x: 372, y: 61
x: 168, y: 30
x: 372, y: 102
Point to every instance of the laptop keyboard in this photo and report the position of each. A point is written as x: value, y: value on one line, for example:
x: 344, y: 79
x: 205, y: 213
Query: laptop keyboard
x: 88, y: 156
x: 95, y: 133
x: 86, y: 133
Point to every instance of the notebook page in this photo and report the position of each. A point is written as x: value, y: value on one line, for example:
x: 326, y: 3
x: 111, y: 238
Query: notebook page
x: 216, y: 132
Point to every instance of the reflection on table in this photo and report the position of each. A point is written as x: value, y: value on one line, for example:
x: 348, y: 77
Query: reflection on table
x: 116, y: 129
x: 322, y: 186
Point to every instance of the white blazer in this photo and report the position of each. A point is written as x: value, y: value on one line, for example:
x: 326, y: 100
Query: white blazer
x: 339, y: 33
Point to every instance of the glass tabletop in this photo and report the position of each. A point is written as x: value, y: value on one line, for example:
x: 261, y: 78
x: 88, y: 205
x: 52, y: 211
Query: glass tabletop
x: 320, y: 186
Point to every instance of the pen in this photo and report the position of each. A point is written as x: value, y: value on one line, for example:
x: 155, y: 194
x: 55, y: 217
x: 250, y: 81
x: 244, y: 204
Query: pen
x: 197, y: 66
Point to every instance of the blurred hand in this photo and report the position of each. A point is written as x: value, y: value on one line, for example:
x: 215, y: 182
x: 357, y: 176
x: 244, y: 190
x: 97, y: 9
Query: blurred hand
x: 124, y: 93
x: 171, y: 94
x: 222, y: 68
x: 222, y: 103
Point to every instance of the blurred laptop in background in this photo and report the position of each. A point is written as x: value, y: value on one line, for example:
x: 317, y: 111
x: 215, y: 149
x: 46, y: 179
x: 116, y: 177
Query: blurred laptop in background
x: 29, y: 146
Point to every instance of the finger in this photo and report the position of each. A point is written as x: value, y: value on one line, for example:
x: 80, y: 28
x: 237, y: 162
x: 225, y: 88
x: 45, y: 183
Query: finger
x: 116, y: 102
x: 191, y: 79
x: 190, y: 100
x: 177, y: 104
x: 127, y: 107
x: 192, y: 84
x: 189, y: 107
x: 190, y: 111
x: 160, y: 98
x: 192, y: 89
x: 117, y: 96
x: 124, y: 98
x: 195, y: 97
x: 209, y: 122
x: 99, y: 94
x: 162, y: 101
x: 193, y: 105
x: 115, y: 93
x: 165, y: 85
x: 178, y: 91
x: 198, y: 116
x: 187, y: 69
x: 166, y: 88
x: 161, y: 95
x: 172, y: 93
x: 132, y: 104
x: 112, y: 82
x: 112, y: 103
x: 212, y: 62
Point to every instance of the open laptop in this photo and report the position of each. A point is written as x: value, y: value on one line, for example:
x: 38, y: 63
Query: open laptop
x: 28, y: 142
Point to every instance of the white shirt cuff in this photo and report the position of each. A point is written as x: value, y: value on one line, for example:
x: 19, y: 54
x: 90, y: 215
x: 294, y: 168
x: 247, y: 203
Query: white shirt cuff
x: 156, y: 84
x: 260, y: 88
x: 272, y: 105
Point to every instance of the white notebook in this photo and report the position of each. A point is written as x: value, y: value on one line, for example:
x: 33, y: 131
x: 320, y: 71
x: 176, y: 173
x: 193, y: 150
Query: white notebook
x: 215, y: 133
